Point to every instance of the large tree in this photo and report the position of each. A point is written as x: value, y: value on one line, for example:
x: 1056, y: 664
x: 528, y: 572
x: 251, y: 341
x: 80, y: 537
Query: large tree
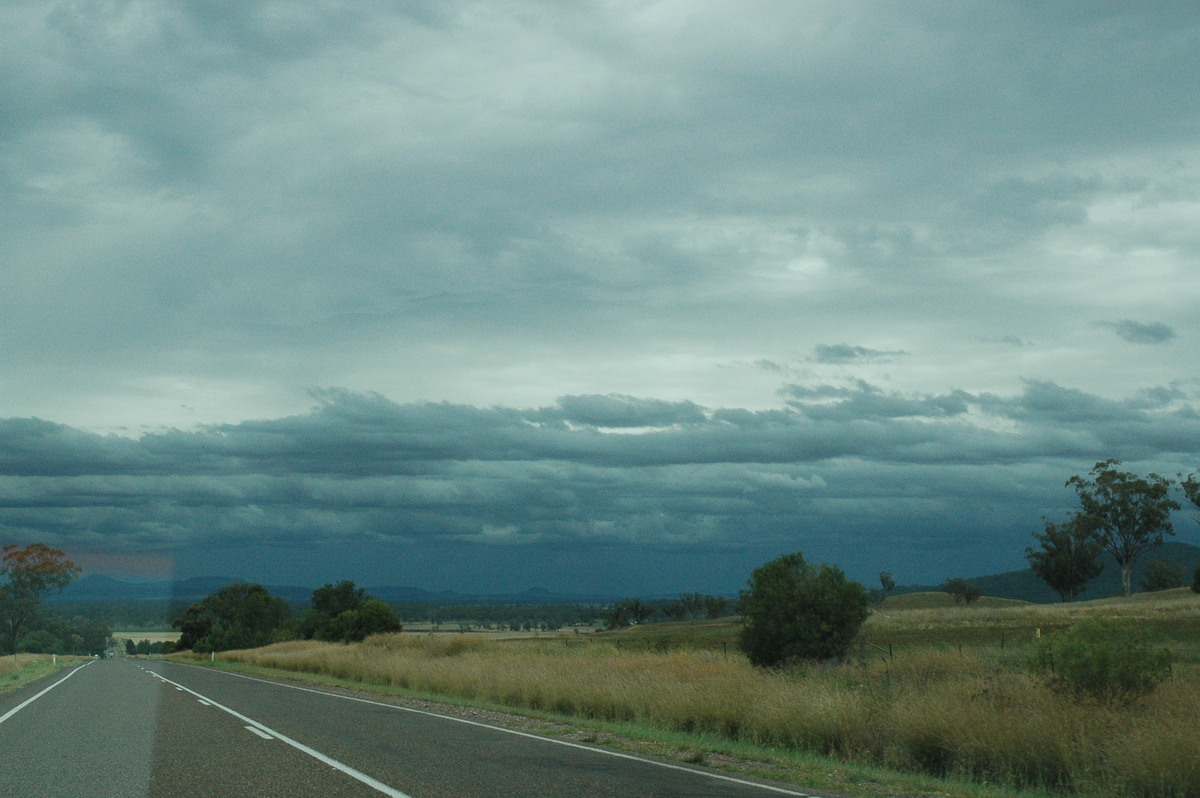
x: 343, y: 611
x: 1068, y: 556
x: 239, y: 615
x: 1130, y: 514
x: 29, y: 575
x: 798, y: 611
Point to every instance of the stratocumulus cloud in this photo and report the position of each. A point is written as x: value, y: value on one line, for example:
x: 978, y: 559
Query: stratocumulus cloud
x: 828, y: 470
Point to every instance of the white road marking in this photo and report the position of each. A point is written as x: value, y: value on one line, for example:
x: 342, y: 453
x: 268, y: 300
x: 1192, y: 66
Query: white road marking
x: 567, y: 743
x: 202, y: 701
x: 267, y: 730
x: 260, y: 733
x: 29, y: 701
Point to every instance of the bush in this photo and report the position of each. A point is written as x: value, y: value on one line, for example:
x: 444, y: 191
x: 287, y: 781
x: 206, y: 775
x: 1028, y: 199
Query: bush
x: 964, y: 592
x: 798, y: 611
x: 1102, y: 660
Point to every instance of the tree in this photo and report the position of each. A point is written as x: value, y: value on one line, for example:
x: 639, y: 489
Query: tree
x: 887, y: 582
x: 30, y: 575
x: 130, y: 647
x: 1068, y: 557
x: 1130, y: 513
x: 334, y: 599
x: 372, y: 617
x: 1191, y: 488
x: 964, y: 592
x: 797, y: 611
x: 343, y: 612
x: 878, y: 595
x: 716, y: 607
x: 239, y: 615
x: 1161, y: 575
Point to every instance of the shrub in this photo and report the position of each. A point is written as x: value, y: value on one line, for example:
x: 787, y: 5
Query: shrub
x: 1105, y: 661
x: 798, y: 611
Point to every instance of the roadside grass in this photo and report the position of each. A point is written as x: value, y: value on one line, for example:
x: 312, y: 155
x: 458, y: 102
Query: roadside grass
x: 18, y: 670
x: 940, y: 695
x: 856, y: 779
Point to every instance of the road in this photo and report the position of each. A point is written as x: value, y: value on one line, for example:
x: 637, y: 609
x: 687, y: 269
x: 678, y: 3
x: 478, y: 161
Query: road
x: 126, y: 727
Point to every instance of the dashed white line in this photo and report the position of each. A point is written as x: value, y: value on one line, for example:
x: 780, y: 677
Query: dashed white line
x: 567, y: 743
x: 268, y: 732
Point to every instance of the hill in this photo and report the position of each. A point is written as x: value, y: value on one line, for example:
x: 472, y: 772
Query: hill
x: 1024, y: 585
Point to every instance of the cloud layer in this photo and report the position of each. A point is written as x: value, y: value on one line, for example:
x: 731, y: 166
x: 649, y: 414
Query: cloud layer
x: 733, y: 276
x: 864, y: 476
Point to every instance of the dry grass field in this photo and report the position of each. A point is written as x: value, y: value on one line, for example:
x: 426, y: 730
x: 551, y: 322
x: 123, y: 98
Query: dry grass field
x: 954, y: 698
x: 153, y: 637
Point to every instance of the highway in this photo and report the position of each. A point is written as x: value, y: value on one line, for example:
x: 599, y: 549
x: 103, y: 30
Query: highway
x: 128, y: 727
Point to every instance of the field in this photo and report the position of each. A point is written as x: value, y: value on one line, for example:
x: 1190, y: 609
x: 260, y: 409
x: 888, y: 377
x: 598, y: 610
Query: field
x: 153, y: 637
x: 940, y: 691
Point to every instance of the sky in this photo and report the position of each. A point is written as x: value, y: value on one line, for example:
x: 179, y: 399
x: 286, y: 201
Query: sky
x: 621, y: 296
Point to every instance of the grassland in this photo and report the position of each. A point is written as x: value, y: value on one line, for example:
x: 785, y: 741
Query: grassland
x: 18, y: 670
x: 940, y: 691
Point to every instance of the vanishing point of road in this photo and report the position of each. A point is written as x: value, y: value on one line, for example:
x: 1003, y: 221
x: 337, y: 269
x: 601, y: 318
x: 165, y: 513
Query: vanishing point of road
x: 124, y: 727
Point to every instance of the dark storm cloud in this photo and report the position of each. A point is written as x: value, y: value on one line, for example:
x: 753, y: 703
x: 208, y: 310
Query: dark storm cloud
x: 830, y: 467
x: 1137, y: 333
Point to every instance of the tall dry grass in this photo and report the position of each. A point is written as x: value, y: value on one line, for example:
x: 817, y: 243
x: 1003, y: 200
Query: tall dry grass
x: 940, y: 712
x: 15, y: 663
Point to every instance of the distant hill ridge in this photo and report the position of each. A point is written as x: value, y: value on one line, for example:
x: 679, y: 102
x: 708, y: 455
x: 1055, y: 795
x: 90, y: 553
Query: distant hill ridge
x: 100, y: 587
x: 1022, y: 585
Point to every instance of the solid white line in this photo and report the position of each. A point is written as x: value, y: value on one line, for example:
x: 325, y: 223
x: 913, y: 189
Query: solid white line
x: 29, y: 701
x: 333, y: 763
x: 567, y: 743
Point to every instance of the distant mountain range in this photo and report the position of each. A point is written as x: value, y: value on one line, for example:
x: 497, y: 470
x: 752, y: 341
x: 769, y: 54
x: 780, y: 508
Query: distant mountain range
x: 98, y: 587
x: 1022, y: 585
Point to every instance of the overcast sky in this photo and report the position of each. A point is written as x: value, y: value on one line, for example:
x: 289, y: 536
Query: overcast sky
x: 627, y: 296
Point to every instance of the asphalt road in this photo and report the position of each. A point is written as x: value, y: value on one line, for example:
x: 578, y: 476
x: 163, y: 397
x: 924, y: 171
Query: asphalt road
x: 138, y: 727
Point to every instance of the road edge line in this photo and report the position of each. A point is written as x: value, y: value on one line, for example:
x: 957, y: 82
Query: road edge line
x: 374, y: 783
x: 568, y: 743
x: 29, y: 701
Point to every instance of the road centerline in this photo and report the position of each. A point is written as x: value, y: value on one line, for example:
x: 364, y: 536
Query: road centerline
x: 541, y: 738
x: 299, y: 746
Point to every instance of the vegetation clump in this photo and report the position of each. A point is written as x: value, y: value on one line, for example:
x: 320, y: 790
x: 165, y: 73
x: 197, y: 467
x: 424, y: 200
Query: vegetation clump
x: 796, y: 611
x: 345, y: 613
x: 1105, y: 661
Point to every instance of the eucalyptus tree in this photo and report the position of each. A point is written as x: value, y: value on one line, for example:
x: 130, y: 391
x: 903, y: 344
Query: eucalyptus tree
x: 1130, y: 513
